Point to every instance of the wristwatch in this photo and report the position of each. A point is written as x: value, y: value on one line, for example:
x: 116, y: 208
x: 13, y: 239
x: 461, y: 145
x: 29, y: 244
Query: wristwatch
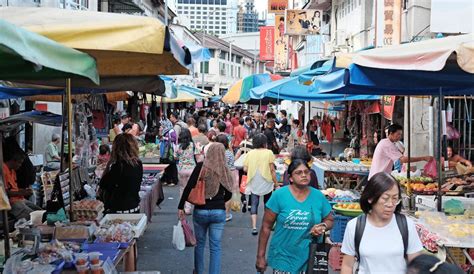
x: 324, y: 224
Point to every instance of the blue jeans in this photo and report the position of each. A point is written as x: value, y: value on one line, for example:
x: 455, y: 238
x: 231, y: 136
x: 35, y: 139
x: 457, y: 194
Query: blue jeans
x: 213, y: 221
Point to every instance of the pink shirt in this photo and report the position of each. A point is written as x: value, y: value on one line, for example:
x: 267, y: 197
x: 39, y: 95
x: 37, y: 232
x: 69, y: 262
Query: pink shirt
x: 386, y: 153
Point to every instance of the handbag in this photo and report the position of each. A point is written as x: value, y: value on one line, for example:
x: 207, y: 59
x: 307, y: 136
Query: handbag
x: 189, y: 237
x: 243, y: 184
x: 239, y: 163
x: 318, y: 256
x: 197, y: 196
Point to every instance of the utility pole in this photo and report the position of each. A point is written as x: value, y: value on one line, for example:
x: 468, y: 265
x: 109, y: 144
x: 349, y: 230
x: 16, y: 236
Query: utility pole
x: 166, y: 13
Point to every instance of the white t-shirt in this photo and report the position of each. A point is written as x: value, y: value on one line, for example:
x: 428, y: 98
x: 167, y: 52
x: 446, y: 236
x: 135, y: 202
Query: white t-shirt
x: 381, y: 248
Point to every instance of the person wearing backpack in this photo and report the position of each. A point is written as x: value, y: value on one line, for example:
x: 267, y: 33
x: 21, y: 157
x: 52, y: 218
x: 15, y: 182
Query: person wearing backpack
x: 382, y: 240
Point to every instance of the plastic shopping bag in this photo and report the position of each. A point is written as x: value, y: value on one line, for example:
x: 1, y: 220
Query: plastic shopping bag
x: 430, y: 169
x: 235, y: 202
x: 452, y: 133
x: 178, y: 237
x: 189, y: 237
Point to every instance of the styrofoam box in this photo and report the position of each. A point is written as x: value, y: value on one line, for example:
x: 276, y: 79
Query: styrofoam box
x: 429, y: 202
x: 138, y: 229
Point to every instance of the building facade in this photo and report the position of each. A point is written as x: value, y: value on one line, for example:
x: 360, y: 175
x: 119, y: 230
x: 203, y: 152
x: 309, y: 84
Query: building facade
x: 228, y: 64
x: 216, y: 17
x: 247, y: 17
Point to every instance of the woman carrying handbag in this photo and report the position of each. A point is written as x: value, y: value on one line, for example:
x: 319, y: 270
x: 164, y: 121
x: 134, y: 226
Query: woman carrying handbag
x: 214, y: 181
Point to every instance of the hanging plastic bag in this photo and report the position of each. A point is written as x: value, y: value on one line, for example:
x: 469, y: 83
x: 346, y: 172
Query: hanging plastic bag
x: 430, y: 169
x: 189, y: 237
x: 454, y: 207
x: 235, y: 201
x: 243, y: 184
x: 178, y: 237
x: 449, y: 113
x: 452, y: 133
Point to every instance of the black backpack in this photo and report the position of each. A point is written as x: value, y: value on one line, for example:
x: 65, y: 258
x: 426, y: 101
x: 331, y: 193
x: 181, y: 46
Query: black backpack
x: 360, y: 227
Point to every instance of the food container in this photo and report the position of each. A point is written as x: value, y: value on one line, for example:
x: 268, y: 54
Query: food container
x: 96, y: 269
x: 94, y: 257
x: 81, y: 259
x: 82, y: 269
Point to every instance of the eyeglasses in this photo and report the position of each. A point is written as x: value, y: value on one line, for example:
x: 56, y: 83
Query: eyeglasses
x: 391, y: 201
x: 301, y: 172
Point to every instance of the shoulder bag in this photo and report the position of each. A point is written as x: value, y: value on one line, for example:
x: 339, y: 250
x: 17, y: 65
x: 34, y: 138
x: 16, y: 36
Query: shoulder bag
x: 197, y: 196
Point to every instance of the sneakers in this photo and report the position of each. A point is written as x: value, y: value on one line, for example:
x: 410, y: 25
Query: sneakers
x: 244, y: 206
x: 228, y: 218
x: 172, y: 184
x: 254, y: 232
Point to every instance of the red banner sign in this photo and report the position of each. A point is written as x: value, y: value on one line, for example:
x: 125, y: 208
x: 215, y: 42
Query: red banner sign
x: 277, y: 6
x: 267, y: 43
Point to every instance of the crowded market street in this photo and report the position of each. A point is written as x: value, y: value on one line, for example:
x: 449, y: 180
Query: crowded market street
x: 236, y: 136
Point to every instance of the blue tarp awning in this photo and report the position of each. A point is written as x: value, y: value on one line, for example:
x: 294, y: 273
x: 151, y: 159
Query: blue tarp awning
x: 40, y: 117
x: 363, y: 80
x: 291, y: 89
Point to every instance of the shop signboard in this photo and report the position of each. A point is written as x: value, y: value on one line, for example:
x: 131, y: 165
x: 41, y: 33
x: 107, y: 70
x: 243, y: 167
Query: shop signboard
x: 277, y: 6
x: 388, y: 22
x: 303, y: 22
x: 267, y: 43
x: 281, y: 44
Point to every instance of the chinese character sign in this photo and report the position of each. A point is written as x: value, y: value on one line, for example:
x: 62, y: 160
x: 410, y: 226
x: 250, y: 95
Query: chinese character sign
x: 281, y: 44
x: 277, y: 6
x: 303, y: 22
x: 267, y: 42
x: 392, y: 21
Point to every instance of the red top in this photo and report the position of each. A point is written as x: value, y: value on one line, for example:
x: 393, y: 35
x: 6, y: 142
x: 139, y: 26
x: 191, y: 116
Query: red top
x: 239, y: 135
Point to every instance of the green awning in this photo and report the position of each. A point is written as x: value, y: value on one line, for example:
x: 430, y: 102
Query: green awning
x: 26, y: 55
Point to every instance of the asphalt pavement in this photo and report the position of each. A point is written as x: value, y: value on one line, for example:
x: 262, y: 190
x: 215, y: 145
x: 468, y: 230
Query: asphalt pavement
x: 156, y: 253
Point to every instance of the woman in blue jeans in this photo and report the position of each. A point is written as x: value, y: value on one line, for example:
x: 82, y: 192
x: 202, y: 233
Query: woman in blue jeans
x: 210, y: 217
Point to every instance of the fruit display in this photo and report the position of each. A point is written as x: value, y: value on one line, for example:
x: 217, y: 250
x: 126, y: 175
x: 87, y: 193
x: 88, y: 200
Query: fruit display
x: 149, y: 150
x: 348, y: 209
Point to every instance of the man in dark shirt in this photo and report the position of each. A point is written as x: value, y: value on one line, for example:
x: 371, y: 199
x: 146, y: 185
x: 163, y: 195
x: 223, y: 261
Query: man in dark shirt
x: 271, y: 139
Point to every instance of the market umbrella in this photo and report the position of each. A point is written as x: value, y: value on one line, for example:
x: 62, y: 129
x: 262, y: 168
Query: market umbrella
x: 291, y: 89
x: 240, y: 91
x: 27, y: 55
x: 122, y: 44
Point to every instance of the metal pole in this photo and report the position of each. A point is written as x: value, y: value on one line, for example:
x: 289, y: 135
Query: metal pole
x: 4, y: 212
x: 440, y: 147
x: 69, y: 143
x: 63, y: 129
x: 409, y: 135
x: 166, y: 12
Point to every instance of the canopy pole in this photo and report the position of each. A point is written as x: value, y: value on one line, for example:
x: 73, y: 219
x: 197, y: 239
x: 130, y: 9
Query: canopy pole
x: 440, y: 147
x: 63, y: 129
x: 69, y: 143
x: 4, y: 212
x: 409, y: 135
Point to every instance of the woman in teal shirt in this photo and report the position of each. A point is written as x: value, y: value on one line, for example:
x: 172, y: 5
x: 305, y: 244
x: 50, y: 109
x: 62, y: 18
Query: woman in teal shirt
x: 299, y: 212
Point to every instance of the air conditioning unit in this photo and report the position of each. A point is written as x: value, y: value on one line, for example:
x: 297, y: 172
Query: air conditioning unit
x: 341, y: 37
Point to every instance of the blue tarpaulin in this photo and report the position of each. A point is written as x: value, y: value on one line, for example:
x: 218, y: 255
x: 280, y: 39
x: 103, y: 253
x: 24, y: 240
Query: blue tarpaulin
x: 363, y: 80
x: 291, y: 89
x: 40, y: 117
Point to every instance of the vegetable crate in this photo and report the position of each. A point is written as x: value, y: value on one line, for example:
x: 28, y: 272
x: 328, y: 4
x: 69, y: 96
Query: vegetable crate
x: 339, y: 227
x: 335, y: 257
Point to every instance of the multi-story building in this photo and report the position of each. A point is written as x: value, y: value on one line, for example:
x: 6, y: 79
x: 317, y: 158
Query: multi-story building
x: 214, y: 16
x: 247, y: 17
x: 228, y: 64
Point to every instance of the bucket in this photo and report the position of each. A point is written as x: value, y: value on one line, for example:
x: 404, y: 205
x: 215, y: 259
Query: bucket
x: 36, y: 217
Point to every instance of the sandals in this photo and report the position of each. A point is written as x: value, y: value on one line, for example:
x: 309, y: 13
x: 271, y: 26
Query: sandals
x: 254, y: 232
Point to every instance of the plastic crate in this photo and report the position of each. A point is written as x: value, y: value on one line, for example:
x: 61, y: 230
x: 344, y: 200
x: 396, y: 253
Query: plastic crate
x: 339, y: 227
x: 457, y: 255
x: 335, y: 257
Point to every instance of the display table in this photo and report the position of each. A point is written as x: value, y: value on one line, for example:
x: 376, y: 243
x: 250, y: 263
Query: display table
x: 456, y: 249
x: 150, y: 197
x: 339, y: 173
x: 152, y: 168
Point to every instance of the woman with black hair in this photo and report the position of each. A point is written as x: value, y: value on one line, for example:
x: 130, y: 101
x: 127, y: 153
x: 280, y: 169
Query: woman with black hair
x: 300, y: 152
x: 186, y: 162
x: 428, y: 264
x: 381, y: 248
x: 298, y: 213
